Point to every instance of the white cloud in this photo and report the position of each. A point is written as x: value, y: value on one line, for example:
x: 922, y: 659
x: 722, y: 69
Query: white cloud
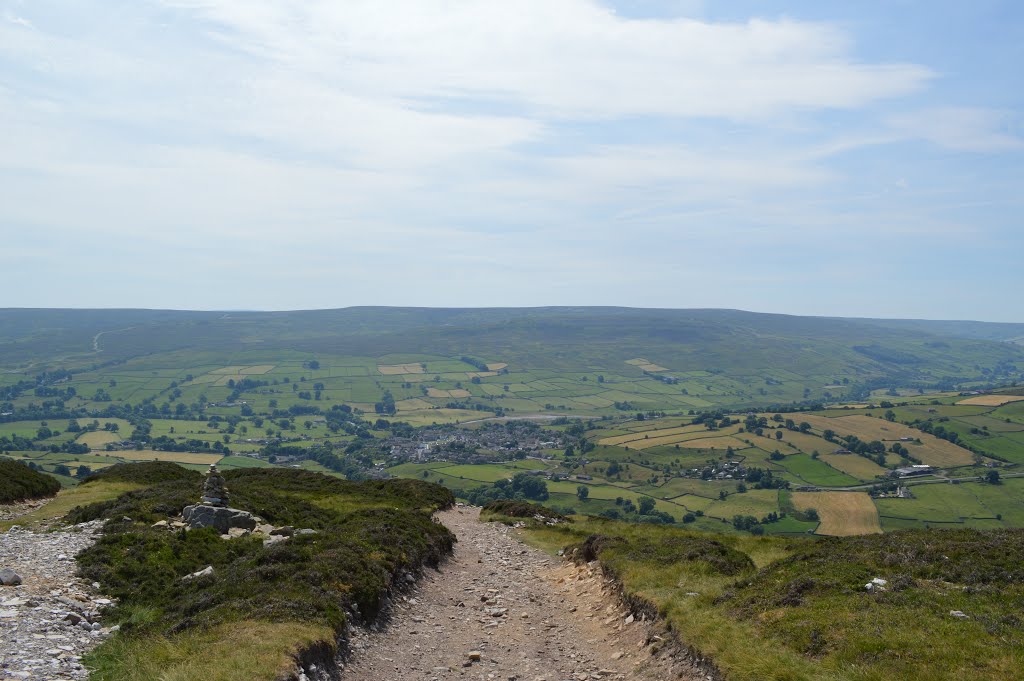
x: 572, y: 58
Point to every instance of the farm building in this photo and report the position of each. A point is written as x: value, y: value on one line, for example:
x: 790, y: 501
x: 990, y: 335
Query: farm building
x: 910, y: 471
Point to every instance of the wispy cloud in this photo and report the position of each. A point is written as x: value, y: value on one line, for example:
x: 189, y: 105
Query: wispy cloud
x: 964, y: 129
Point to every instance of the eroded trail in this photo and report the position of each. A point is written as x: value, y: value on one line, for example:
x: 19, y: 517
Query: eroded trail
x: 502, y: 610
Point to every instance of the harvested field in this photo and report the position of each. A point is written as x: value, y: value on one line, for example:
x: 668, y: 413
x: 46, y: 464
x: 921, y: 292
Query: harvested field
x: 176, y: 457
x: 397, y: 369
x: 97, y: 438
x: 454, y: 392
x: 841, y: 513
x: 257, y: 369
x: 991, y: 400
x: 641, y: 363
x: 229, y: 370
x: 497, y: 366
x: 857, y: 466
x: 714, y: 443
x: 412, y: 404
x: 932, y: 451
x: 657, y: 433
x: 481, y: 374
x: 685, y: 439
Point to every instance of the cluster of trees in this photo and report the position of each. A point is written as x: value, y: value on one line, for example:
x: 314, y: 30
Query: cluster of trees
x: 522, y: 487
x: 642, y: 511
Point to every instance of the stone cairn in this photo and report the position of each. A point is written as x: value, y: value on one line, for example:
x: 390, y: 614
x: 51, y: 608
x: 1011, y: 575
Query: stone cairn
x: 213, y: 510
x: 215, y: 492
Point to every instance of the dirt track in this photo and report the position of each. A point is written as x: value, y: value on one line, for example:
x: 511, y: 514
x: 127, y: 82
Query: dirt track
x: 529, y: 617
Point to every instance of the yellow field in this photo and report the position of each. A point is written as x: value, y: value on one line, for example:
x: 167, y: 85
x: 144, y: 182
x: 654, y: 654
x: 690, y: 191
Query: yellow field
x: 644, y: 364
x: 454, y: 392
x: 257, y: 369
x: 396, y: 369
x: 412, y: 404
x: 805, y: 442
x: 481, y: 374
x: 713, y: 443
x: 497, y: 366
x: 842, y: 514
x: 177, y: 457
x: 97, y: 438
x: 228, y: 370
x: 623, y: 439
x: 991, y: 400
x: 932, y: 451
x: 684, y: 439
x: 857, y: 466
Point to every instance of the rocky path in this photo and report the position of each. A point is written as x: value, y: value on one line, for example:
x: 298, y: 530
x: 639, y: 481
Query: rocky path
x: 500, y: 610
x: 48, y: 617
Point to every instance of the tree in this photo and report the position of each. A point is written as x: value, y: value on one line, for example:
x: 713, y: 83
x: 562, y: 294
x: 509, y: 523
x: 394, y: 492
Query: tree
x: 778, y: 434
x: 61, y: 469
x: 646, y: 505
x: 992, y: 477
x: 83, y: 472
x: 582, y: 492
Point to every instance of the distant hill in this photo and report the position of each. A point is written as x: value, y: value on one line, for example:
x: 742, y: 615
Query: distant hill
x: 724, y: 356
x: 995, y: 331
x: 18, y: 482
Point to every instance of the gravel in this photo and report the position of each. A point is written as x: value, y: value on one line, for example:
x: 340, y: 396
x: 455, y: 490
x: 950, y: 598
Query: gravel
x: 50, y: 620
x: 501, y: 610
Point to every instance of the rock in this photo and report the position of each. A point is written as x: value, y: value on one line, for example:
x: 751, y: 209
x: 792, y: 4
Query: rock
x: 161, y: 523
x: 618, y: 655
x: 285, y: 531
x: 629, y: 620
x: 959, y: 614
x: 219, y: 518
x: 205, y: 572
x: 305, y: 530
x: 235, y: 532
x: 274, y: 539
x: 9, y: 577
x: 474, y: 655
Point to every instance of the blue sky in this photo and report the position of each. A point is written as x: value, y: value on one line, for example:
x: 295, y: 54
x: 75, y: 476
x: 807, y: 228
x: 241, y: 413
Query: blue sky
x: 855, y: 159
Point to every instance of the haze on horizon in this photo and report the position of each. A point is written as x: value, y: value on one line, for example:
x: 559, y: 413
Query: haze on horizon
x: 780, y: 156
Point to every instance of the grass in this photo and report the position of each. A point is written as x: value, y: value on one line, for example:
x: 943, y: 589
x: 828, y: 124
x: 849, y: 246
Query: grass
x: 68, y: 499
x: 774, y: 609
x: 816, y: 472
x: 238, y: 651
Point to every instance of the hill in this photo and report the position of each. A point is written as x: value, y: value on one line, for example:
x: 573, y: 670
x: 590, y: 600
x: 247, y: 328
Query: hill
x: 997, y: 331
x: 583, y: 360
x: 18, y: 482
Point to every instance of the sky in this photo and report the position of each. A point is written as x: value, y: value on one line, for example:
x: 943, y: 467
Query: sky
x: 844, y: 159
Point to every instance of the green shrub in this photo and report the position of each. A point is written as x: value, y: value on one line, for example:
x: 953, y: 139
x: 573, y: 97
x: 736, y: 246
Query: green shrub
x: 18, y: 482
x: 369, y: 534
x: 520, y: 509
